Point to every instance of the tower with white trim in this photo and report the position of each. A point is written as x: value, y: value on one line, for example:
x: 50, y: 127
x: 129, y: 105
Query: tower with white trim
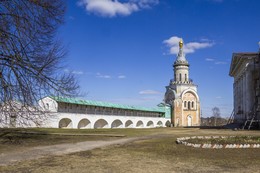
x: 182, y: 95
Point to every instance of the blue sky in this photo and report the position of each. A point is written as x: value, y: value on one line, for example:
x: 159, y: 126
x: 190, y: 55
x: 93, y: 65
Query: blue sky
x: 122, y: 51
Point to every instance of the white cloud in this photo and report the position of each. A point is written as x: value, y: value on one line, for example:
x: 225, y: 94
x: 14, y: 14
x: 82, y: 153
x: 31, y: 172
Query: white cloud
x: 218, y: 97
x: 146, y: 3
x: 149, y: 92
x: 190, y: 47
x: 106, y: 76
x: 209, y: 59
x: 73, y: 72
x: 77, y: 72
x: 220, y: 63
x: 99, y: 75
x: 112, y: 8
x: 204, y: 40
x: 121, y: 77
x: 216, y: 62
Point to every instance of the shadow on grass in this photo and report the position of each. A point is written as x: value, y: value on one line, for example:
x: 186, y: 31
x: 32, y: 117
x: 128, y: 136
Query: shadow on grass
x: 206, y: 127
x: 20, y: 136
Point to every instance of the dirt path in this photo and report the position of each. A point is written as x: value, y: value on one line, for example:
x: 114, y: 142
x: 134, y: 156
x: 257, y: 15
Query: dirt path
x: 60, y: 149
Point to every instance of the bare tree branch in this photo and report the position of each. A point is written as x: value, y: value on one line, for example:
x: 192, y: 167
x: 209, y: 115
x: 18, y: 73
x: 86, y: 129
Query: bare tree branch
x: 30, y: 57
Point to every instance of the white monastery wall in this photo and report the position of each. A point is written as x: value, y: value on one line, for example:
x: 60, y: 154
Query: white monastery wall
x: 74, y: 116
x: 81, y: 121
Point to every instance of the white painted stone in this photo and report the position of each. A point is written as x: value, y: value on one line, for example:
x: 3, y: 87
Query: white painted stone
x: 197, y: 145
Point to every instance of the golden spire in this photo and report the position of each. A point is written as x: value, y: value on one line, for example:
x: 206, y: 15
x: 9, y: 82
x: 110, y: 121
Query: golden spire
x: 181, y: 43
x: 181, y: 55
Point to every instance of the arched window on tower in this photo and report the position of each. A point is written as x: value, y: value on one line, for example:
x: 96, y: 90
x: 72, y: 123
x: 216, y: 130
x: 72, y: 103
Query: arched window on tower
x: 189, y: 105
x: 180, y: 76
x: 192, y: 104
x: 185, y: 104
x: 185, y: 77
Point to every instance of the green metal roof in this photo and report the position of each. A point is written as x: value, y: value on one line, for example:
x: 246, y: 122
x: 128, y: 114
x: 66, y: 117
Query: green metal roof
x: 106, y: 104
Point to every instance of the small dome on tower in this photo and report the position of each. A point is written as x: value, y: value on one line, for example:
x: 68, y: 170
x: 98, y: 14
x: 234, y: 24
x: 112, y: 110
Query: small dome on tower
x: 181, y: 56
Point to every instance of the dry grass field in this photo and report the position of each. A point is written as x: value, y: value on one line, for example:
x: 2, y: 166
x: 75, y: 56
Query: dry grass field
x: 157, y: 153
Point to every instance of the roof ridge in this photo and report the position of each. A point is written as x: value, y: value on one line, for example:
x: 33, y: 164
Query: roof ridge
x: 105, y: 104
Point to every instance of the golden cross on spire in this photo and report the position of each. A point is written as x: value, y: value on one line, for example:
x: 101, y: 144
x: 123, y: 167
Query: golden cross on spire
x: 181, y: 43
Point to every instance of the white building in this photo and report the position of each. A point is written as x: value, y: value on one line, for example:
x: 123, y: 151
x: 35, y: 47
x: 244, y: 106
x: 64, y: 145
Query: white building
x: 14, y: 114
x: 245, y: 69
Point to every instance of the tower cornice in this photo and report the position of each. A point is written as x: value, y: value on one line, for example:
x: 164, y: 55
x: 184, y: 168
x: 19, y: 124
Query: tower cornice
x: 181, y: 63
